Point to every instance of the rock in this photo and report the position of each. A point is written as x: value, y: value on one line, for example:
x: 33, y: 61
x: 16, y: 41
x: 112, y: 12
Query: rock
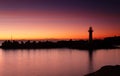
x: 107, y: 71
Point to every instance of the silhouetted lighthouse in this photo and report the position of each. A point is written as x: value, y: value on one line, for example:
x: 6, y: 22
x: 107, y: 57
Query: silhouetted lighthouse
x: 90, y: 35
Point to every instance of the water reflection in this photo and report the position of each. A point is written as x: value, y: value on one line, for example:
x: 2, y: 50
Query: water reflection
x: 90, y: 53
x: 54, y: 62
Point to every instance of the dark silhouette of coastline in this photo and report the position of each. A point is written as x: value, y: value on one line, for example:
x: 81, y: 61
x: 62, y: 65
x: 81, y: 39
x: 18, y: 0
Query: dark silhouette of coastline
x: 107, y: 71
x: 106, y: 43
x: 90, y: 44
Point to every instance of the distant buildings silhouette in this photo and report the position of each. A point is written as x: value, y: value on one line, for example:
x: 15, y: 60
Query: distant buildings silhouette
x: 109, y: 42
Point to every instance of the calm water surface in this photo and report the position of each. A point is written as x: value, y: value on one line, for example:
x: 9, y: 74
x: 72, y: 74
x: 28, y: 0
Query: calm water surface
x: 55, y: 62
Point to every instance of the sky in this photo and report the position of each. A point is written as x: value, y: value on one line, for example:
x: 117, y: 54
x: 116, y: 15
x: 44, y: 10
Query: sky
x: 58, y: 19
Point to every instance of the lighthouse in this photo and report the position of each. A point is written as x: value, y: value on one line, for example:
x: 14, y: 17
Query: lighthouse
x: 90, y: 35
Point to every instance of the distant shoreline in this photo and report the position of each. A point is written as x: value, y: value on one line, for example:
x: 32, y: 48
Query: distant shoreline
x: 106, y: 43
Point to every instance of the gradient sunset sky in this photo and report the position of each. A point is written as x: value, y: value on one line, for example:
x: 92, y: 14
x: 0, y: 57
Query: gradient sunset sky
x: 59, y: 19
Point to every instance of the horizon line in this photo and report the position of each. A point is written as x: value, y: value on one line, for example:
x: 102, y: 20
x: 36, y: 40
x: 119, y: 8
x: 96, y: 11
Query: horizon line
x: 57, y: 38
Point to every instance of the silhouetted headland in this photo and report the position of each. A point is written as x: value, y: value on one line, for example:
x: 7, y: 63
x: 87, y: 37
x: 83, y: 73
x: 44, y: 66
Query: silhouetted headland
x: 106, y: 43
x: 107, y: 71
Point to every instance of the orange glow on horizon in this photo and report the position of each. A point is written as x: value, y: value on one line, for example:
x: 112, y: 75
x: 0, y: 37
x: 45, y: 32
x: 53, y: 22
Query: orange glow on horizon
x: 55, y: 25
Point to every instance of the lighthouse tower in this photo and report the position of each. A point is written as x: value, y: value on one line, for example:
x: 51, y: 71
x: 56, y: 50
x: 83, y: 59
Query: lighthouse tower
x: 90, y: 35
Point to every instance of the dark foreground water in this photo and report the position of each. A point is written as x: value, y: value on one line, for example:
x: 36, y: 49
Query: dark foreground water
x: 55, y: 62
